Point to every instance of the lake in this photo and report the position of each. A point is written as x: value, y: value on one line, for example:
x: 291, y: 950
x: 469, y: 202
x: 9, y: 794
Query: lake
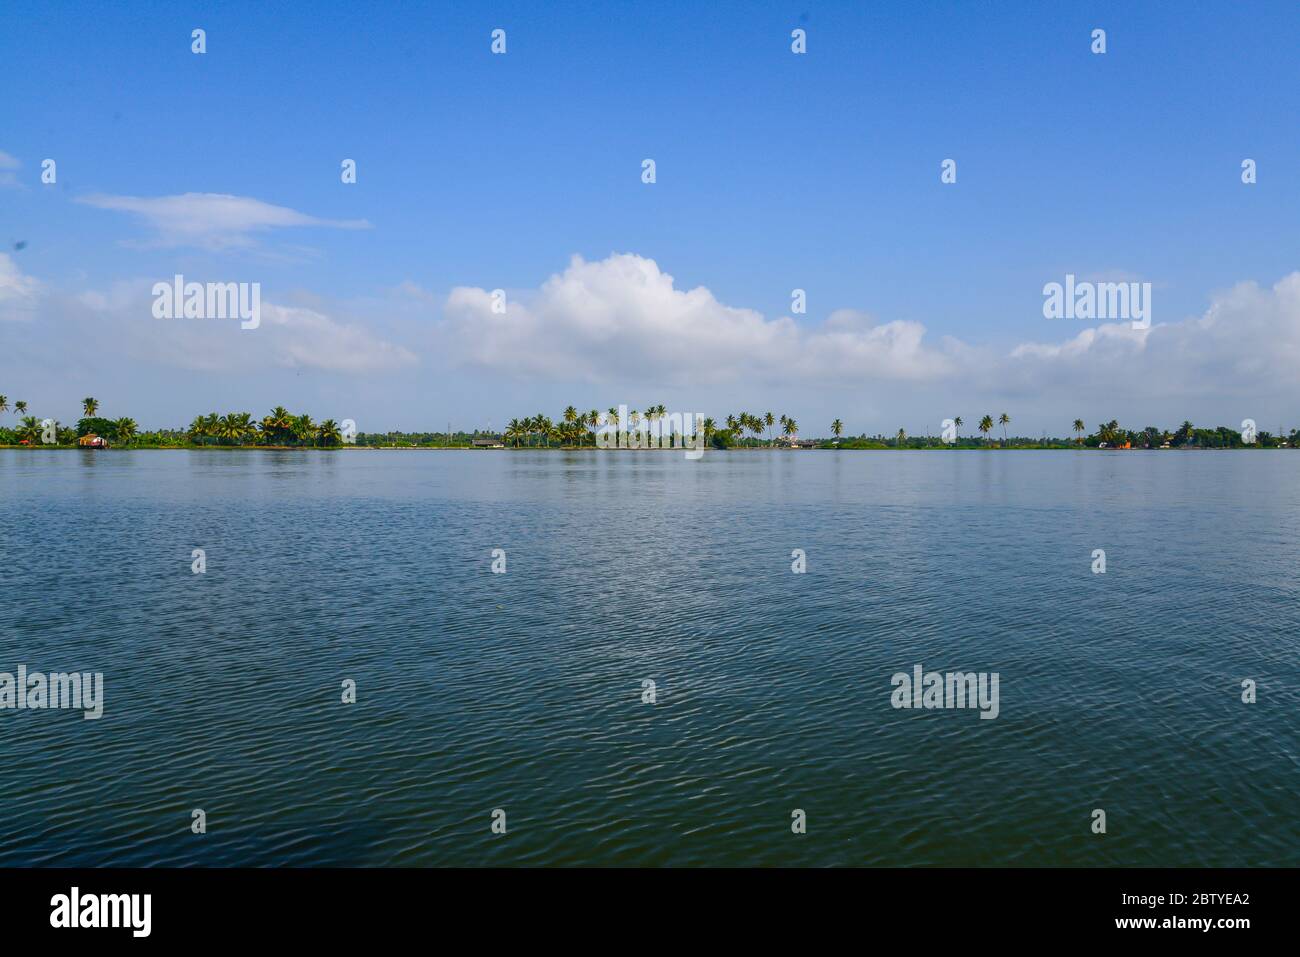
x: 523, y: 691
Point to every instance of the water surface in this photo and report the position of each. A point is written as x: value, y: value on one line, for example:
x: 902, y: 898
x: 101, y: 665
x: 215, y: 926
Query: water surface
x: 522, y: 691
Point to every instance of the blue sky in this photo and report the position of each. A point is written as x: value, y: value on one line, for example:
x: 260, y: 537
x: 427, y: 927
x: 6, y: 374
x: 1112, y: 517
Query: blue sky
x: 774, y: 172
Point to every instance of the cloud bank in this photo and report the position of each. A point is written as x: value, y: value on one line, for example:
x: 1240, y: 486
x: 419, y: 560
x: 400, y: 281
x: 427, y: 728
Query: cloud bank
x: 622, y: 319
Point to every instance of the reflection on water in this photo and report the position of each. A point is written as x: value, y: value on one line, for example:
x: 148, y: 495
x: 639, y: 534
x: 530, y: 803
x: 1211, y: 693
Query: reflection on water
x: 523, y: 691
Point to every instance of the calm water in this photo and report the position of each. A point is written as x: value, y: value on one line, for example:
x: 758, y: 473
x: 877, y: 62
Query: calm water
x: 522, y: 691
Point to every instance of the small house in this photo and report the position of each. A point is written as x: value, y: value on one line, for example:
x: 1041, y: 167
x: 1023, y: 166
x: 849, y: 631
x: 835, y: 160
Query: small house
x: 92, y: 441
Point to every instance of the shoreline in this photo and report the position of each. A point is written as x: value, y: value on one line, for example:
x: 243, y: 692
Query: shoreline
x: 569, y: 448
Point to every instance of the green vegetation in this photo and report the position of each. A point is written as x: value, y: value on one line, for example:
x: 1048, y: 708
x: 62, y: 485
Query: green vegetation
x: 573, y: 429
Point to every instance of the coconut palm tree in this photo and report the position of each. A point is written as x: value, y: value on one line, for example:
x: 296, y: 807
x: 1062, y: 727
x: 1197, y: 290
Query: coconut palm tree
x: 124, y: 430
x: 230, y: 427
x: 985, y: 426
x: 792, y: 427
x: 570, y: 416
x: 277, y: 426
x: 198, y: 429
x: 837, y: 428
x: 20, y: 407
x: 653, y: 414
x: 4, y: 404
x: 769, y: 420
x: 515, y: 430
x: 901, y: 438
x: 1079, y: 428
x: 1003, y: 419
x: 592, y: 423
x: 303, y: 428
x: 90, y: 405
x: 328, y: 433
x: 957, y: 424
x: 29, y: 428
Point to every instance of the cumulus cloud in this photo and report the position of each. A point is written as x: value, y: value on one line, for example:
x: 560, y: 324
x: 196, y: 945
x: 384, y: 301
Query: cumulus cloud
x: 1246, y: 342
x: 289, y: 337
x: 623, y: 318
x: 313, y: 339
x: 18, y: 292
x: 212, y: 220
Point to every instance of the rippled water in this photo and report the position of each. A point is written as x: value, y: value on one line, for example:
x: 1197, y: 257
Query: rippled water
x: 523, y: 691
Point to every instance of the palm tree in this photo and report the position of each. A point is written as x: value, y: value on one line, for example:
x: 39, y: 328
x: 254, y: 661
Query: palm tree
x: 20, y: 407
x: 837, y: 428
x: 654, y: 413
x: 328, y: 433
x: 768, y: 420
x: 593, y: 422
x: 792, y: 427
x: 230, y: 428
x: 570, y: 415
x: 30, y: 428
x: 709, y: 429
x: 515, y: 430
x: 1003, y: 419
x: 303, y: 427
x: 198, y: 428
x: 124, y: 429
x: 276, y: 425
x: 90, y: 405
x: 957, y: 424
x: 901, y: 437
x: 1079, y: 428
x: 4, y: 404
x: 986, y: 424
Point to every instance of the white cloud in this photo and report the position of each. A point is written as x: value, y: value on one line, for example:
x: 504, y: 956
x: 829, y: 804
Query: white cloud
x: 314, y: 340
x: 289, y: 337
x: 212, y: 220
x: 1246, y: 343
x: 18, y: 293
x: 622, y: 318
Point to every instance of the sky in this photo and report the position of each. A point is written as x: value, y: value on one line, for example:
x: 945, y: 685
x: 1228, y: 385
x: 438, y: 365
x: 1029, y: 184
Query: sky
x: 774, y: 171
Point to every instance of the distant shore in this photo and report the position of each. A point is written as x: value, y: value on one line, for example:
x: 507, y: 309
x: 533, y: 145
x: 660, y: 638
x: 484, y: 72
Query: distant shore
x: 617, y: 429
x: 573, y: 448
